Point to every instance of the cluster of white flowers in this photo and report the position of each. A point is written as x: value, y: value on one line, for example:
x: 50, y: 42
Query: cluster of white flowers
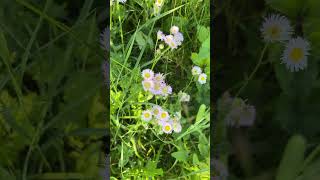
x: 184, y: 97
x: 157, y: 6
x: 202, y: 77
x: 174, y: 39
x: 155, y: 83
x: 237, y: 112
x: 161, y: 118
x: 277, y: 28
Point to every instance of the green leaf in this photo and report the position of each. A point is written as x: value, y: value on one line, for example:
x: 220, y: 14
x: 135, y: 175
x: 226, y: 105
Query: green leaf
x: 202, y: 33
x: 201, y: 112
x: 195, y: 159
x: 140, y: 39
x: 292, y: 159
x: 151, y: 169
x: 181, y: 155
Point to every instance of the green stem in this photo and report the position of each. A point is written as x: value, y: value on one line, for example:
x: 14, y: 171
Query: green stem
x: 254, y: 71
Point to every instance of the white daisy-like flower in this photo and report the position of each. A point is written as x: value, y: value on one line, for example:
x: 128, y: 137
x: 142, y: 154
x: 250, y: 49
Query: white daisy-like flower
x: 166, y: 90
x: 160, y: 35
x: 196, y: 70
x: 177, y: 127
x: 178, y: 37
x: 174, y: 29
x: 147, y: 85
x: 202, y: 78
x: 167, y: 128
x: 184, y: 97
x: 276, y: 28
x: 295, y: 54
x: 159, y: 78
x: 159, y: 3
x: 170, y: 41
x: 156, y: 110
x: 147, y: 74
x: 157, y: 88
x: 163, y: 115
x: 146, y: 115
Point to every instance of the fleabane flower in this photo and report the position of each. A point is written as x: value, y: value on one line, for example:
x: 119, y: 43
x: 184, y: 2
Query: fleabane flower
x: 146, y: 115
x: 170, y: 41
x: 177, y: 127
x: 196, y: 70
x: 295, y: 54
x: 167, y: 128
x: 174, y: 29
x: 178, y: 37
x: 163, y: 115
x: 147, y: 74
x: 156, y: 110
x: 159, y: 78
x: 276, y: 28
x: 157, y: 88
x: 122, y: 1
x: 147, y: 85
x: 160, y: 35
x: 202, y: 79
x: 166, y: 90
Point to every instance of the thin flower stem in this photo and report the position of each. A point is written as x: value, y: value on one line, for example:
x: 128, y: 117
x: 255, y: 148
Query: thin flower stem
x: 254, y: 71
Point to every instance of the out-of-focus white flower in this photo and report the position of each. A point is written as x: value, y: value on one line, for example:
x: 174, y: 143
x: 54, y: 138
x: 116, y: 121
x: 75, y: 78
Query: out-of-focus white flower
x: 295, y: 54
x: 166, y: 90
x: 170, y: 41
x: 178, y: 37
x: 147, y: 74
x: 160, y: 35
x: 196, y: 70
x: 240, y: 114
x: 174, y: 30
x: 202, y: 78
x: 147, y: 85
x: 184, y: 97
x: 177, y: 127
x: 276, y: 28
x: 146, y: 115
x: 122, y: 1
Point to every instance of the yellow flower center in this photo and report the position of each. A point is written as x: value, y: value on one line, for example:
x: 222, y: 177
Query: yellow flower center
x: 274, y: 32
x: 172, y: 44
x: 147, y: 85
x: 203, y: 78
x: 157, y: 86
x: 156, y: 111
x: 296, y: 54
x: 147, y: 75
x: 146, y: 115
x: 167, y: 128
x: 163, y: 115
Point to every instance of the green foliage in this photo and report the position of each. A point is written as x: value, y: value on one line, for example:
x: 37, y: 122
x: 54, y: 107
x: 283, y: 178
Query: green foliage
x: 52, y: 105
